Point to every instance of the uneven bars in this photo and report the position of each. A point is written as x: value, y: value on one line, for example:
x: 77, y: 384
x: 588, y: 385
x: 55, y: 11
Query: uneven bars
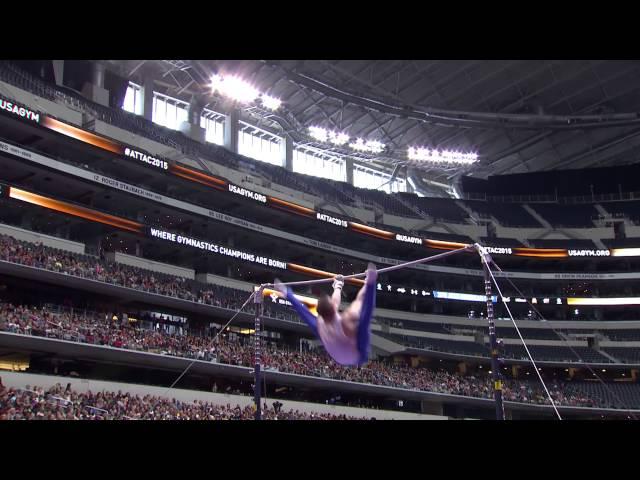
x: 382, y: 270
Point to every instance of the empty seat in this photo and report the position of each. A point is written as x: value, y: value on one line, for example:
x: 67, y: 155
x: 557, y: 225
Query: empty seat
x: 446, y: 237
x: 625, y: 354
x: 571, y: 216
x: 623, y: 334
x: 388, y: 202
x: 501, y: 242
x: 556, y: 354
x: 439, y: 208
x: 621, y: 242
x: 579, y: 243
x: 507, y: 214
x: 630, y: 209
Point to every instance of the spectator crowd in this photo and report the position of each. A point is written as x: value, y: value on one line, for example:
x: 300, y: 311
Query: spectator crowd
x: 85, y: 266
x: 101, y: 330
x: 58, y: 403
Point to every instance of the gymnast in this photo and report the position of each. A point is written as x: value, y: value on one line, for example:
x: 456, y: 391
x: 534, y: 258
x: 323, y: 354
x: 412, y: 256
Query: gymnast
x: 345, y: 335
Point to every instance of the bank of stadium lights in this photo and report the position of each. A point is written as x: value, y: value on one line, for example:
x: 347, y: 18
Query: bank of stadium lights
x: 371, y: 146
x: 234, y: 88
x: 324, y: 135
x: 237, y: 89
x: 443, y: 157
x: 337, y: 138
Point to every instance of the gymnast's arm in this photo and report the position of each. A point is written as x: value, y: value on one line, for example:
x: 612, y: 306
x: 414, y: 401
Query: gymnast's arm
x: 336, y: 297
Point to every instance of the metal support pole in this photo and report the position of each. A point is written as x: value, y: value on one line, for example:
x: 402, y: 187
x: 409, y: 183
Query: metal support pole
x: 257, y: 382
x: 493, y: 342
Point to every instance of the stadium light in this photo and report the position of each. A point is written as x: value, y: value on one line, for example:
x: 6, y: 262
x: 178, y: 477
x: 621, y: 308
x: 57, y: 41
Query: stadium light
x: 272, y: 103
x: 319, y: 133
x: 371, y: 146
x: 234, y: 88
x: 446, y: 157
x: 338, y: 138
x: 325, y: 135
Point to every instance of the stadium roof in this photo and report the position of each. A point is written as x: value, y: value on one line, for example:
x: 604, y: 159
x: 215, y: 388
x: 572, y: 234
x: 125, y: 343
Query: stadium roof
x: 517, y: 115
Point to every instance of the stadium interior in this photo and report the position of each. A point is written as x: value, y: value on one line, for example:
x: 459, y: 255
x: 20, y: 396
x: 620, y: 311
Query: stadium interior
x: 145, y: 204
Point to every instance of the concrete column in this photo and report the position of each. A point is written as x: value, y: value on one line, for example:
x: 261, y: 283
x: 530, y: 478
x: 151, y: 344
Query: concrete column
x: 98, y: 75
x: 95, y: 90
x: 147, y: 97
x: 405, y: 171
x: 515, y: 370
x: 410, y: 188
x: 231, y: 127
x: 192, y: 127
x: 195, y: 111
x: 58, y: 71
x: 349, y: 169
x: 287, y: 153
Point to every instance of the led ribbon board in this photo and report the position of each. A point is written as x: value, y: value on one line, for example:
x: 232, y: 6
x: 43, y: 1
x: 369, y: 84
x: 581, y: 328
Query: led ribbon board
x: 603, y: 301
x: 20, y: 111
x: 160, y: 234
x: 138, y: 228
x: 120, y: 149
x: 16, y: 110
x: 466, y: 297
x: 625, y: 252
x: 104, y: 143
x: 215, y: 248
x: 75, y: 210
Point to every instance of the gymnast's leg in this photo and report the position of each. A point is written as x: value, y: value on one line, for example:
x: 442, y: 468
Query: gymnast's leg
x: 298, y: 306
x: 366, y: 313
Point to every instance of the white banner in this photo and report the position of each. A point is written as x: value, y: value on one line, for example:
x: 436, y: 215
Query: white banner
x: 215, y: 248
